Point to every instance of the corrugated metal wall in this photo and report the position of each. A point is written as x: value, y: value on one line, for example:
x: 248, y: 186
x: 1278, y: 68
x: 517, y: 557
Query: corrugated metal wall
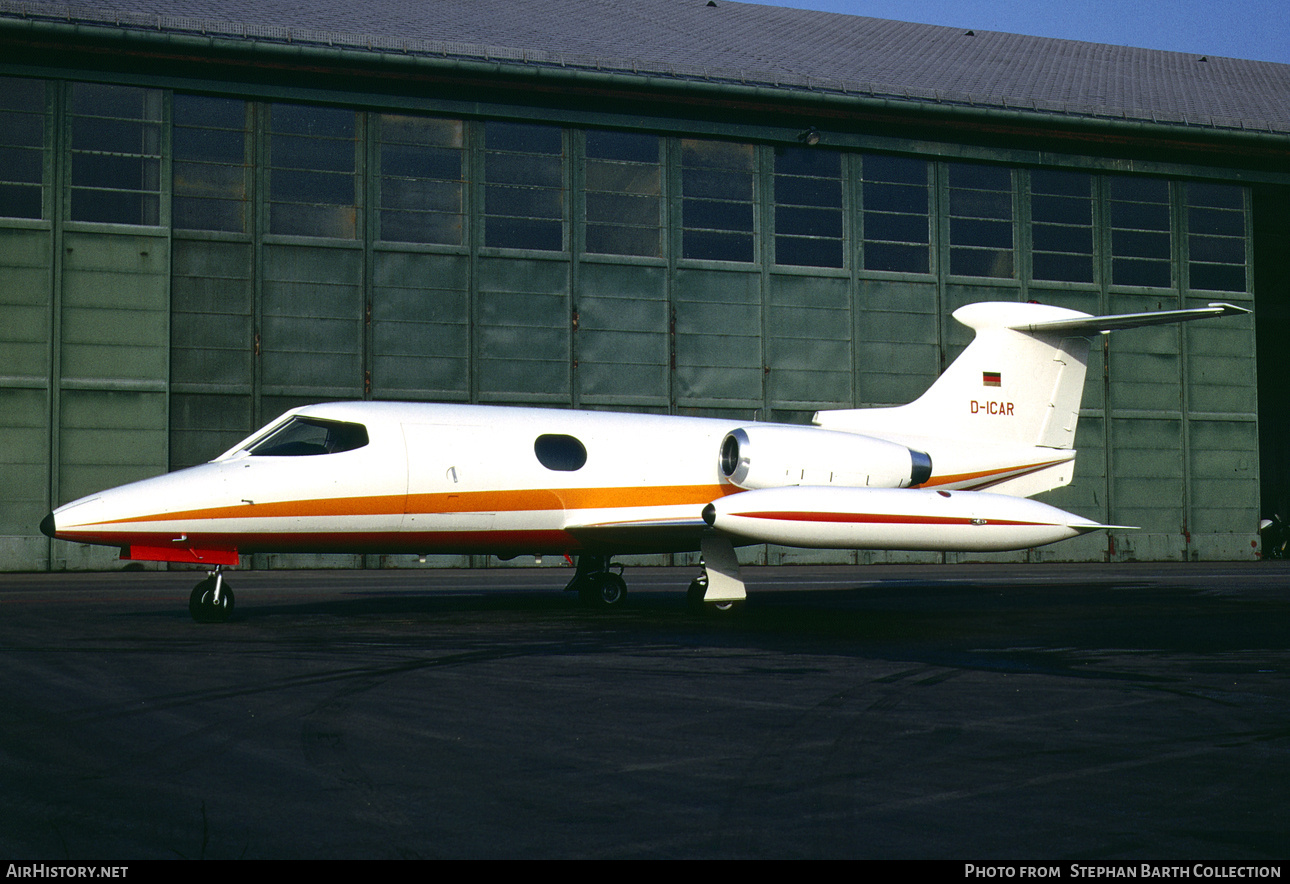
x: 176, y: 270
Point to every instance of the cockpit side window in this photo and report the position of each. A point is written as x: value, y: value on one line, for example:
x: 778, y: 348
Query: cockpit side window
x: 307, y: 436
x: 556, y: 451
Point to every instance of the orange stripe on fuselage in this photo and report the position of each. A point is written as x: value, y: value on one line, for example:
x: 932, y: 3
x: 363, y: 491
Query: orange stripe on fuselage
x: 511, y: 501
x: 566, y: 498
x: 999, y: 473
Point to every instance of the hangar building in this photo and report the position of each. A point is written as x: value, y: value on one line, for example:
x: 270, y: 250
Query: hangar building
x: 212, y: 211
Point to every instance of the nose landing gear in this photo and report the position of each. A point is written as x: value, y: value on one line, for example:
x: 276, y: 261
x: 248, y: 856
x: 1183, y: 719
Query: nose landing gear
x: 211, y: 600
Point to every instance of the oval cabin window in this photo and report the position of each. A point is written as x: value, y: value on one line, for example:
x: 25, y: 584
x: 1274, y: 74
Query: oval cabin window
x: 556, y: 451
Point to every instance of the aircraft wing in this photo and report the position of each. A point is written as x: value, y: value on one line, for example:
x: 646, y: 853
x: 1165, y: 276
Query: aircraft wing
x: 1091, y: 325
x: 678, y: 534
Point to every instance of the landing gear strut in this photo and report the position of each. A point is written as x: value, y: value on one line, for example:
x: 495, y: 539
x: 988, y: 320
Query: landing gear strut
x: 698, y: 588
x: 211, y: 600
x: 695, y: 598
x: 719, y: 588
x: 596, y: 584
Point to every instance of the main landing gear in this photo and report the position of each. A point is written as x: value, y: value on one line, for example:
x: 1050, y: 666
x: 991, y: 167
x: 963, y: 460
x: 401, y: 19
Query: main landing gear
x: 596, y: 584
x: 718, y: 589
x: 211, y: 600
x: 697, y: 603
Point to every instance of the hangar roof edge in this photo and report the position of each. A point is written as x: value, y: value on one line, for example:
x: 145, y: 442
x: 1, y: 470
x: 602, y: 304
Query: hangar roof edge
x: 720, y: 42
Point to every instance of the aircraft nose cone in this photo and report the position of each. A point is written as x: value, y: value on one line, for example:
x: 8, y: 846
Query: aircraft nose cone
x: 47, y: 526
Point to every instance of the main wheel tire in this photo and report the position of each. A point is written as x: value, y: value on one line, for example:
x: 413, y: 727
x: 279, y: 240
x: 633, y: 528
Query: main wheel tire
x: 202, y: 605
x: 694, y: 595
x: 694, y: 600
x: 603, y: 589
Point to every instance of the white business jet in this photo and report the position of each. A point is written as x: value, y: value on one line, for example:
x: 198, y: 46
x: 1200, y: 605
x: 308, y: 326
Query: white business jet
x: 950, y: 471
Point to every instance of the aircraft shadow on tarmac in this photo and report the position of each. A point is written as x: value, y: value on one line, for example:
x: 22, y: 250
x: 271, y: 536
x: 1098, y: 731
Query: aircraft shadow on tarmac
x: 957, y: 617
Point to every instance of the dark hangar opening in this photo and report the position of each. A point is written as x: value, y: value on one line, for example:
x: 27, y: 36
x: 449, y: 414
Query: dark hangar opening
x: 1272, y: 333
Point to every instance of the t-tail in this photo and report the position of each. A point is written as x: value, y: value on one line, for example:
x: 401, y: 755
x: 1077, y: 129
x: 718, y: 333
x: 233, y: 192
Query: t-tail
x: 1002, y: 417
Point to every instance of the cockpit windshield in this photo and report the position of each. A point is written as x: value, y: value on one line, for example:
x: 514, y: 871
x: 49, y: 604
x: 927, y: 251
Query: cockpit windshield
x: 307, y: 436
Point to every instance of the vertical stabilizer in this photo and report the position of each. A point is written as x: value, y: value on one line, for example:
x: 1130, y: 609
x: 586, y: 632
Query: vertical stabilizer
x: 1015, y: 389
x: 1009, y: 387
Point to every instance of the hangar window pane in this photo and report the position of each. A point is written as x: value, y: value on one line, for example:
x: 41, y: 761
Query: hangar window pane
x: 422, y: 179
x: 808, y: 207
x: 313, y: 171
x: 1141, y: 244
x: 895, y: 196
x: 116, y: 154
x: 624, y: 194
x: 717, y: 207
x: 523, y: 186
x: 1061, y: 215
x: 210, y: 164
x: 1216, y: 237
x: 22, y: 147
x: 981, y: 232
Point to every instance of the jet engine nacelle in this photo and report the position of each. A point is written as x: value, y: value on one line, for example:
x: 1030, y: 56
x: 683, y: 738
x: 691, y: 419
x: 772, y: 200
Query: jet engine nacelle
x: 778, y: 456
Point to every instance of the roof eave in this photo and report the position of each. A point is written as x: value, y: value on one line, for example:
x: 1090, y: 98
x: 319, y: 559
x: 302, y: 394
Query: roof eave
x: 720, y: 88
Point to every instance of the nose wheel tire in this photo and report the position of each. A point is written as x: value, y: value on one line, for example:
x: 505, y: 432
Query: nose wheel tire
x: 203, y: 606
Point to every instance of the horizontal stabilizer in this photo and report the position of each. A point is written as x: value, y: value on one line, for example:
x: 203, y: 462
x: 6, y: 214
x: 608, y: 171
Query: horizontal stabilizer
x: 1093, y: 325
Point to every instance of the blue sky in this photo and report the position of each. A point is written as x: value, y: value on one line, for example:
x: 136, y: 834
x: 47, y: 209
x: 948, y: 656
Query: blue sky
x: 1253, y: 29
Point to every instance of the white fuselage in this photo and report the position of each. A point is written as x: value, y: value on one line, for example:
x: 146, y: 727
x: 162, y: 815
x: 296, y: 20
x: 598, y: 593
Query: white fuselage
x: 508, y: 481
x: 431, y: 478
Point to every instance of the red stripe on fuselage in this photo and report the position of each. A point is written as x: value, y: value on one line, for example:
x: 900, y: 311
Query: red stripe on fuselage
x: 878, y: 518
x: 373, y: 542
x: 992, y: 477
